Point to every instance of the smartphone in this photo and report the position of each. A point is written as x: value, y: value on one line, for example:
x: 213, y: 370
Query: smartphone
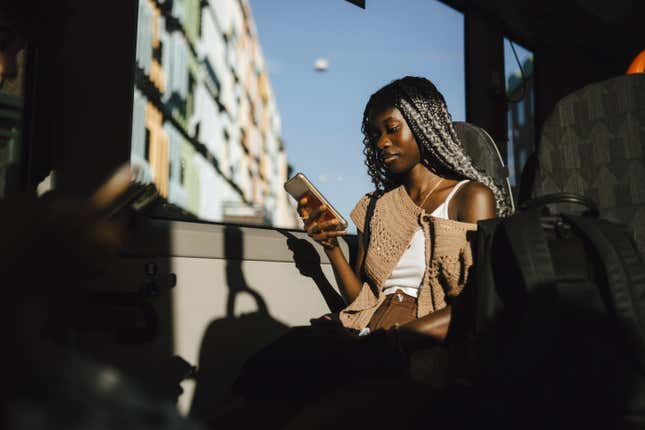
x: 299, y: 186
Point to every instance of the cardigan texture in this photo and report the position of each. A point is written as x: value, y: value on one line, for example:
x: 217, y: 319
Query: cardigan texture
x: 448, y: 255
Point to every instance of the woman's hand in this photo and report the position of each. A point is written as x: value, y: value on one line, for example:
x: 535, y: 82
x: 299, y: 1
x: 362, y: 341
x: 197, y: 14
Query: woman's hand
x: 322, y: 227
x: 323, y: 231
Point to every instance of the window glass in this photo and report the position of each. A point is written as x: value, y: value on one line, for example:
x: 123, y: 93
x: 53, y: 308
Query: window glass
x: 11, y: 117
x: 518, y: 67
x: 232, y: 97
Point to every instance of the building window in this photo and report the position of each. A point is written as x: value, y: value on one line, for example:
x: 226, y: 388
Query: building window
x: 190, y: 98
x: 157, y: 52
x: 146, y: 151
x: 11, y: 137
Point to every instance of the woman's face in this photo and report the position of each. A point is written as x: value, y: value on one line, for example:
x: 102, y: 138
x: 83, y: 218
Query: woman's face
x: 394, y: 142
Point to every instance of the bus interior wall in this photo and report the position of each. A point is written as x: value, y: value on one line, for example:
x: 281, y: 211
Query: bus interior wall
x: 87, y: 78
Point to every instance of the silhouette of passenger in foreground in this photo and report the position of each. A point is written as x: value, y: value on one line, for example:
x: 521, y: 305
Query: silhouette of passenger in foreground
x: 51, y: 246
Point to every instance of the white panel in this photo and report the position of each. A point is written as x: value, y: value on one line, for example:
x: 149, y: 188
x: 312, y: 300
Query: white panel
x: 202, y: 291
x: 179, y: 11
x: 211, y: 45
x: 138, y: 124
x: 221, y: 9
x: 179, y: 65
x: 144, y: 35
x: 211, y: 123
x: 210, y: 207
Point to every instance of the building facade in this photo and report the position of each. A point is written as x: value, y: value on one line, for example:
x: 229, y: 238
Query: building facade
x: 206, y: 129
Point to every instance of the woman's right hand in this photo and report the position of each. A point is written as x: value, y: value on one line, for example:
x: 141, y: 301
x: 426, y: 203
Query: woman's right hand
x: 325, y: 232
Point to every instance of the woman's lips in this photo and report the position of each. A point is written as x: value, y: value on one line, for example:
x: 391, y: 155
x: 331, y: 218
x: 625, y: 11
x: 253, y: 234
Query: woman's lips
x: 390, y: 158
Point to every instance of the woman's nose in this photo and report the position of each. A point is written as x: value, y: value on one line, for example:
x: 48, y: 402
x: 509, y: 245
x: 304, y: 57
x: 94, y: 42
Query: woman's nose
x: 383, y: 142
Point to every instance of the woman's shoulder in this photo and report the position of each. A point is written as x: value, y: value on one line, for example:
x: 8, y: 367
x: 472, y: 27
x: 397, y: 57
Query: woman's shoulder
x: 360, y: 210
x: 473, y: 202
x: 475, y: 189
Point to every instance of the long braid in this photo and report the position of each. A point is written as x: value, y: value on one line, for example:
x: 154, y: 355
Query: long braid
x: 425, y: 111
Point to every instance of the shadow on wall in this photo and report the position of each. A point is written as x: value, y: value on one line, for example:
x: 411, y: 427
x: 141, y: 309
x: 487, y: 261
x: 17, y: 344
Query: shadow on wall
x: 230, y: 341
x: 307, y: 262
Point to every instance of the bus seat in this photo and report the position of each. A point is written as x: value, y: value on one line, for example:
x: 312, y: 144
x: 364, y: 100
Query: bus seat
x: 593, y: 143
x: 484, y: 153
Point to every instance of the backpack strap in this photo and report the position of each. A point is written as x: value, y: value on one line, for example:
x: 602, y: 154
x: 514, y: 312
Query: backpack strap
x: 625, y: 273
x: 528, y: 243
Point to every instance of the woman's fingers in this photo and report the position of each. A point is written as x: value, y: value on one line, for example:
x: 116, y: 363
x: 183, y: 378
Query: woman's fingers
x: 303, y: 210
x: 327, y: 235
x: 314, y: 225
x: 323, y: 232
x: 313, y: 218
x: 330, y: 225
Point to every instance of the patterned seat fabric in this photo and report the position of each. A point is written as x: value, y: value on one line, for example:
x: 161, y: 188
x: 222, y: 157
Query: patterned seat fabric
x: 482, y: 150
x: 593, y: 144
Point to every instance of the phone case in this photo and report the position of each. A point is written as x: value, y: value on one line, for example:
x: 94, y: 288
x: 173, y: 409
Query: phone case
x: 299, y: 185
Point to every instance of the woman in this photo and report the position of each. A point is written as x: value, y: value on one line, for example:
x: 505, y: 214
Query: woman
x: 419, y: 251
x: 417, y: 260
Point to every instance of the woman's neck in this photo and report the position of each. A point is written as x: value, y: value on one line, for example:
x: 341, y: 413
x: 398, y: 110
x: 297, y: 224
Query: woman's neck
x: 418, y: 181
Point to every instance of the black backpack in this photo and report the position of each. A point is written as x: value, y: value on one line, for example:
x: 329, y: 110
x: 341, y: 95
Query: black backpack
x: 558, y: 309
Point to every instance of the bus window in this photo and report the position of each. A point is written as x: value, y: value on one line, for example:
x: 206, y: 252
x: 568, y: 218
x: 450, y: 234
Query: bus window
x: 11, y: 116
x: 520, y: 93
x: 231, y: 97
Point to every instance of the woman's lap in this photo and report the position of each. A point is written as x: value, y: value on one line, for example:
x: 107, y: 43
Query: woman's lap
x: 397, y: 309
x: 309, y: 361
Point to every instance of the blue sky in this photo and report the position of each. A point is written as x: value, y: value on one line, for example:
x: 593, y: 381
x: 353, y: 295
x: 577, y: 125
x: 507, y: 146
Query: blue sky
x: 321, y: 111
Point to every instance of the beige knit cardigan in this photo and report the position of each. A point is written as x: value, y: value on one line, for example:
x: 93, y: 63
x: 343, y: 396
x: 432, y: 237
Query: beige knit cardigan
x: 395, y: 219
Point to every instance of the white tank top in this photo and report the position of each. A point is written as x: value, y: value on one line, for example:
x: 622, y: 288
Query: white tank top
x: 407, y: 276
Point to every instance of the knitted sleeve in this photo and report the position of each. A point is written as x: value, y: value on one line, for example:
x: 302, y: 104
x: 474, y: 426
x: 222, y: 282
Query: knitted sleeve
x: 358, y: 213
x: 452, y: 258
x: 462, y: 269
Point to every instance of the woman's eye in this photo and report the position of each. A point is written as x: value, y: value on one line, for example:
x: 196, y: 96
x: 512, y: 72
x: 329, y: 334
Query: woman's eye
x: 393, y: 129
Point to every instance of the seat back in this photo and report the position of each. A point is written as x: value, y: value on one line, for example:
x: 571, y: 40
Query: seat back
x: 481, y: 148
x: 593, y: 144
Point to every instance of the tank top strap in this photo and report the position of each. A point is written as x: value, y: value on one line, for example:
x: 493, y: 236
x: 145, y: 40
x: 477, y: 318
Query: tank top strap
x: 442, y: 210
x: 454, y: 191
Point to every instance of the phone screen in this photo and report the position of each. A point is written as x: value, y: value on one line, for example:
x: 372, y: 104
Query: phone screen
x: 299, y: 186
x: 313, y: 203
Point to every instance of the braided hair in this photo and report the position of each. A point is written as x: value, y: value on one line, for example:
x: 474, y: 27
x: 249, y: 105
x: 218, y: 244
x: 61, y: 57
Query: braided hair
x: 426, y: 113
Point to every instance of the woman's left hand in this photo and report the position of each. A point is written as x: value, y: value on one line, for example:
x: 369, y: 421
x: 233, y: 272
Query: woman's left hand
x: 322, y: 231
